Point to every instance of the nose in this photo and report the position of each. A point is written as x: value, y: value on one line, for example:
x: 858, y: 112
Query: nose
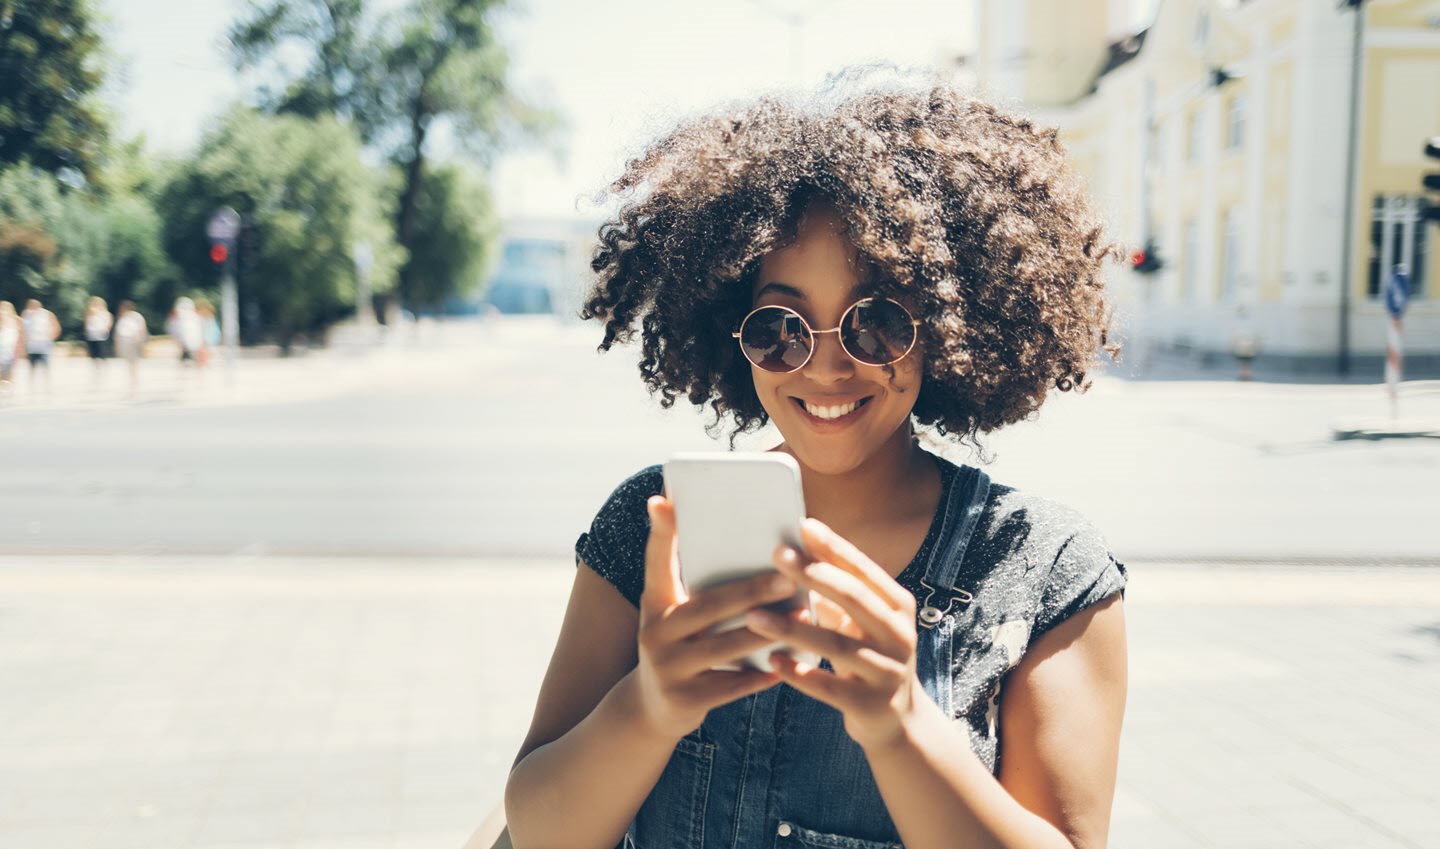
x: 829, y: 363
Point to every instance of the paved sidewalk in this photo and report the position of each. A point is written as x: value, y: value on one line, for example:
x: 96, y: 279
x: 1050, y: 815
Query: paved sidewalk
x: 353, y: 703
x: 414, y: 356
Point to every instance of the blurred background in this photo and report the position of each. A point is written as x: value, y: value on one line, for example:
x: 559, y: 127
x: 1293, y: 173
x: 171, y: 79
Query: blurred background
x: 287, y: 515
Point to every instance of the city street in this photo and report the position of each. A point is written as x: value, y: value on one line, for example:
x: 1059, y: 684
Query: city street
x: 313, y: 609
x: 503, y: 440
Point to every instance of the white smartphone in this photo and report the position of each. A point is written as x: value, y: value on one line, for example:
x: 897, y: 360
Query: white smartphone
x: 731, y: 511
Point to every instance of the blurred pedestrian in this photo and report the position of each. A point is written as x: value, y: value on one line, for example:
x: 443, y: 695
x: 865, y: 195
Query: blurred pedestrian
x: 209, y: 332
x: 41, y: 328
x: 185, y: 328
x: 10, y: 334
x: 1245, y: 341
x: 98, y: 324
x: 130, y: 336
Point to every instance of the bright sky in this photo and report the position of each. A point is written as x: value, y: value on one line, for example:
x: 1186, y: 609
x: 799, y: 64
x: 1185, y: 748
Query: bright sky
x: 621, y: 71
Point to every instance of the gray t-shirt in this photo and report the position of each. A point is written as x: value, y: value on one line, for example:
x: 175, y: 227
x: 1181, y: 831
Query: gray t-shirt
x: 1015, y: 529
x: 1031, y: 564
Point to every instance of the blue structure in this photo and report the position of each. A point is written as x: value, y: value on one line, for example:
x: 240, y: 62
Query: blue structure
x: 529, y: 270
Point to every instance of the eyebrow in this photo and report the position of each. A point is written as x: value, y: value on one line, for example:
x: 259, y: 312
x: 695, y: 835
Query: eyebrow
x: 786, y: 289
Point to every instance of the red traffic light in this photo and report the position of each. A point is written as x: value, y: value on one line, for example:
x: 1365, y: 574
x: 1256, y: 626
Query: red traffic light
x: 219, y: 253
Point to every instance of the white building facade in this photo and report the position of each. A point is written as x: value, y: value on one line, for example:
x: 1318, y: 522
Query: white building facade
x: 1240, y: 182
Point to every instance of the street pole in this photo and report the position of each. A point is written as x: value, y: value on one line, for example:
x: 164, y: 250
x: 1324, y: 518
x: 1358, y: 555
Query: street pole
x: 1347, y: 214
x: 223, y: 228
x: 229, y: 316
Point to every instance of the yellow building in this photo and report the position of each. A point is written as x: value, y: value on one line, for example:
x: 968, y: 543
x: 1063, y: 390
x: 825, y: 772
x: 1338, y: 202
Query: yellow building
x: 1239, y: 177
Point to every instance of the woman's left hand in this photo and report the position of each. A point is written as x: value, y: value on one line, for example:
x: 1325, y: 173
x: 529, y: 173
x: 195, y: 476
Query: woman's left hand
x: 866, y: 628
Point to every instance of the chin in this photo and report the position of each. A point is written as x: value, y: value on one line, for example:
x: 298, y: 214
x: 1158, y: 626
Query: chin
x: 835, y: 453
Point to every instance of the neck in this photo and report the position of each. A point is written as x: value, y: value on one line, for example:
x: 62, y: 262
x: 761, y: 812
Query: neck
x: 889, y: 482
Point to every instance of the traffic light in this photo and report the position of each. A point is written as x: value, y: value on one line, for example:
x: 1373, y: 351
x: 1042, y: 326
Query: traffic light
x: 219, y: 253
x: 1146, y: 260
x: 1430, y: 205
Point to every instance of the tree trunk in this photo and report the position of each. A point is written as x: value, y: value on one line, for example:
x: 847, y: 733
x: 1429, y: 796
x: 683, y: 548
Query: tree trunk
x: 410, y: 194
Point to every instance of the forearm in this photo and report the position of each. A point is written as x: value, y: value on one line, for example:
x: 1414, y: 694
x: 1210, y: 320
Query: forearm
x: 940, y: 795
x: 598, y: 774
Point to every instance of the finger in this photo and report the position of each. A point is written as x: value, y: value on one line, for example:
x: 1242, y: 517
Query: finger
x: 870, y: 612
x: 822, y: 543
x: 846, y: 654
x: 708, y: 651
x: 720, y: 686
x: 830, y: 615
x: 662, y: 588
x: 812, y: 681
x: 716, y: 604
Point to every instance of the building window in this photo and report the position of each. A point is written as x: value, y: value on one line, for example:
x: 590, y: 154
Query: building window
x: 1235, y: 125
x: 1192, y: 136
x: 1230, y: 261
x: 1397, y: 235
x: 1189, y: 261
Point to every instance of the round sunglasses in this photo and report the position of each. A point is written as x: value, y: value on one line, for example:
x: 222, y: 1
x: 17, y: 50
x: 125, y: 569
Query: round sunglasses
x: 873, y: 332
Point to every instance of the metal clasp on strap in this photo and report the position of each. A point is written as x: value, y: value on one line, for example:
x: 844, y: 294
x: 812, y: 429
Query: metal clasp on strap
x: 930, y: 615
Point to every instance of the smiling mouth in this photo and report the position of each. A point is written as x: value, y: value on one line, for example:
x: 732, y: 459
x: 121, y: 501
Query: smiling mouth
x: 833, y: 414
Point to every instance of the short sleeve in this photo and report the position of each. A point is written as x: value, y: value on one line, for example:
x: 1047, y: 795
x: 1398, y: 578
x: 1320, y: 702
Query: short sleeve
x: 1085, y: 573
x: 614, y: 546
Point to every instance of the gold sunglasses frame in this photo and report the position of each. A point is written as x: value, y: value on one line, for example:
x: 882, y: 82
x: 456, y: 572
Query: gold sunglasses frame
x: 914, y: 334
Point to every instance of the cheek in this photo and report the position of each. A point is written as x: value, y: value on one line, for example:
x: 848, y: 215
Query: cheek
x: 909, y: 373
x: 765, y: 383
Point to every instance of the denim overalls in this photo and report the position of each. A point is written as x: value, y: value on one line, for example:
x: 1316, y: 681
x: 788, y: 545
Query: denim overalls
x: 777, y: 769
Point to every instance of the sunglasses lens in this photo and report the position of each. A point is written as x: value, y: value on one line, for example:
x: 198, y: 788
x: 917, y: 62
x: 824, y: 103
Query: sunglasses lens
x: 877, y: 331
x: 775, y: 339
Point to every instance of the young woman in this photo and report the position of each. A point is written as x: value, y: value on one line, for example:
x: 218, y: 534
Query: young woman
x: 896, y: 259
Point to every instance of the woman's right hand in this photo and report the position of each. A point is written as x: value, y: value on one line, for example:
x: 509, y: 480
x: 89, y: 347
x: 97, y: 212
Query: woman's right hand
x: 676, y: 682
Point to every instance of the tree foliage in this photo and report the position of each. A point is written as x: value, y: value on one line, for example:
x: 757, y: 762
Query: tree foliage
x: 50, y: 70
x: 61, y: 245
x: 456, y: 236
x: 433, y: 60
x: 343, y: 58
x: 305, y: 199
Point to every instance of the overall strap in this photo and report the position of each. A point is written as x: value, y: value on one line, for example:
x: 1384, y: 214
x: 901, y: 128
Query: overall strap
x: 968, y: 496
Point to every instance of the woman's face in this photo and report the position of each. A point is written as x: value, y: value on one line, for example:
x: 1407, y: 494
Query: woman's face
x: 817, y: 276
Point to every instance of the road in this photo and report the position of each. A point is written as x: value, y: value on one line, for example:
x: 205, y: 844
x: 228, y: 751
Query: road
x: 312, y: 608
x: 503, y: 439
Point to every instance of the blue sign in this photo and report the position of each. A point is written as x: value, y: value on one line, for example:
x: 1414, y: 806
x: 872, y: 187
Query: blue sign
x: 1397, y: 293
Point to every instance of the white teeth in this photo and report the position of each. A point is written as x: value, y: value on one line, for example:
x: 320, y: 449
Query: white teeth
x: 830, y: 412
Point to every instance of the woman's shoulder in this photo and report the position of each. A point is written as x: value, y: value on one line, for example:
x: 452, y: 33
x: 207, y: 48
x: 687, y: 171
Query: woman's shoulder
x: 1036, y: 522
x: 614, y: 545
x: 1057, y: 552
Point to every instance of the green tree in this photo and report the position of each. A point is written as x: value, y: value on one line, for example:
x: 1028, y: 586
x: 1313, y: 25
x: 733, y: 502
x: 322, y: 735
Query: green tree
x: 434, y: 60
x: 305, y: 199
x: 61, y: 245
x: 46, y: 244
x: 455, y: 238
x: 50, y: 70
x: 344, y: 57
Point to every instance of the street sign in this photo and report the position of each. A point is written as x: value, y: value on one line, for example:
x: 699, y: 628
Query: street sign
x: 224, y: 225
x: 1397, y: 291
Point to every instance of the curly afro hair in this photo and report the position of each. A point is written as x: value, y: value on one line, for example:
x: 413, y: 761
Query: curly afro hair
x: 967, y: 214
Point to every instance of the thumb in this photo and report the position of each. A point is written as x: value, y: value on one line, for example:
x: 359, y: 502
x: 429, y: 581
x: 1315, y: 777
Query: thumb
x: 662, y: 576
